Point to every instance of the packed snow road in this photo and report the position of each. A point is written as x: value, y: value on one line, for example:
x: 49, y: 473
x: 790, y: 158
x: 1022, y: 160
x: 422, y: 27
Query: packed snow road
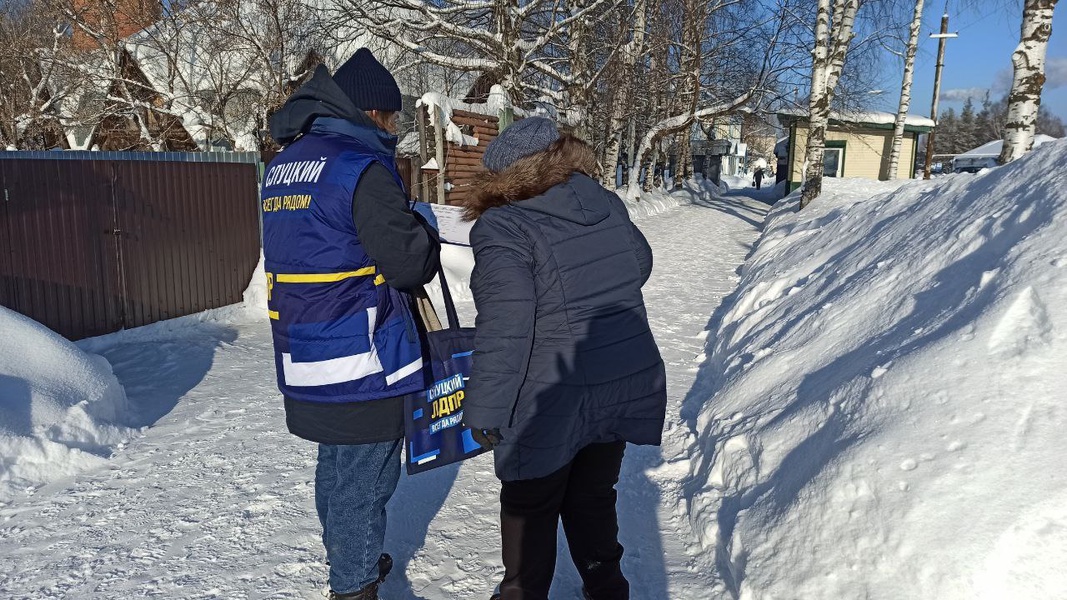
x: 215, y: 499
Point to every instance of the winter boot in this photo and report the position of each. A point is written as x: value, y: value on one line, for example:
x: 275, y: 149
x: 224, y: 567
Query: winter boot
x: 385, y: 565
x: 370, y: 592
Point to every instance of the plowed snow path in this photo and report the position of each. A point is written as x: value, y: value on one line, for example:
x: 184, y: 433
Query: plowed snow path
x: 215, y: 500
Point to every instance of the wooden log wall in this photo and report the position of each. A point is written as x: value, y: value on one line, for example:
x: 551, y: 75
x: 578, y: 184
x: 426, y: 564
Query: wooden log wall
x: 463, y: 163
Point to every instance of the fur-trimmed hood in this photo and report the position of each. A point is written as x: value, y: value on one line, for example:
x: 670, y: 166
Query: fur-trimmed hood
x: 528, y: 179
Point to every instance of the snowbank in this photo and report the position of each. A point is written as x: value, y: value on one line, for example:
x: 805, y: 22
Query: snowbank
x: 661, y: 200
x: 881, y: 408
x: 61, y: 409
x: 458, y: 262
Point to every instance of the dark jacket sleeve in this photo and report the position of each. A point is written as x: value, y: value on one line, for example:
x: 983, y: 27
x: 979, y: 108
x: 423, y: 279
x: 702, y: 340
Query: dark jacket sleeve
x: 403, y: 250
x: 637, y: 240
x: 504, y: 293
x: 644, y: 254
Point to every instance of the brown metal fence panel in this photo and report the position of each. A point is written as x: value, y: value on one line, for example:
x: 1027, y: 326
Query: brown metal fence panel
x: 59, y: 262
x: 92, y: 246
x: 7, y: 283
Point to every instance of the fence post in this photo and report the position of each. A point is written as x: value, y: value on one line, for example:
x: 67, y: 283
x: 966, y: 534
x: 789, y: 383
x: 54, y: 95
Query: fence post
x: 506, y: 118
x: 8, y: 294
x: 424, y: 155
x: 439, y: 138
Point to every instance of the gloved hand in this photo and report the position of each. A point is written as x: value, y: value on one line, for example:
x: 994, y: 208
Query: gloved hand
x: 486, y: 438
x: 435, y: 235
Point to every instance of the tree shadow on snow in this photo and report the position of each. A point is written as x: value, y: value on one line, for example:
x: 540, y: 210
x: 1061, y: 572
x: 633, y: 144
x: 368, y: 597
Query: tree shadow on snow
x: 953, y: 302
x: 767, y: 194
x: 640, y: 532
x: 728, y: 205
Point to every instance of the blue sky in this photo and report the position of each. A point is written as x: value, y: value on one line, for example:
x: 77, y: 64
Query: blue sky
x: 979, y: 58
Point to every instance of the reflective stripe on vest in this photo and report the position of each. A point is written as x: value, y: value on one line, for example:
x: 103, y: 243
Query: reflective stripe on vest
x: 340, y: 335
x: 316, y: 278
x: 321, y: 277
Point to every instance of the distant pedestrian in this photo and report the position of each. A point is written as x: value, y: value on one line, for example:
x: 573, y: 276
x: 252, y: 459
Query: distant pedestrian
x: 566, y: 370
x: 343, y: 254
x: 757, y: 177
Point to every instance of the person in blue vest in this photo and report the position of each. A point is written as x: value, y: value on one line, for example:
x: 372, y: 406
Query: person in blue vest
x: 343, y: 252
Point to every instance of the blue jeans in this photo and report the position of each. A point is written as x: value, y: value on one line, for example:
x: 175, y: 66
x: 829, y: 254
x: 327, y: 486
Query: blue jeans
x: 352, y: 486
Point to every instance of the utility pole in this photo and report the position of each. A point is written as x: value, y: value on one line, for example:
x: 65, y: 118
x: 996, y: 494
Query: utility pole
x: 941, y: 37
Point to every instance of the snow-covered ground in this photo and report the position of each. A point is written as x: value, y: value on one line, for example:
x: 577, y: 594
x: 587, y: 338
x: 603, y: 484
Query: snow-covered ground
x: 212, y: 498
x: 880, y: 412
x: 867, y: 408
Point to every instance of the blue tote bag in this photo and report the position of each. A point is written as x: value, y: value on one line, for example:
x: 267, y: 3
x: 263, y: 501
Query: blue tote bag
x: 433, y: 426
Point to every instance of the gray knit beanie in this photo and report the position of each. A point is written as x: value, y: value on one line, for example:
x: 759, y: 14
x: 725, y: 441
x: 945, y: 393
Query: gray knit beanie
x: 523, y: 138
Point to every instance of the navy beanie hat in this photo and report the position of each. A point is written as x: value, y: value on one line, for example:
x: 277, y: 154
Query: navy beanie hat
x: 523, y: 138
x: 367, y: 83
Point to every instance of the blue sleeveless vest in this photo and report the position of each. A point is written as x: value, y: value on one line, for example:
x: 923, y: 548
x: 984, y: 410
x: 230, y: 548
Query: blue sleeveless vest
x: 340, y: 333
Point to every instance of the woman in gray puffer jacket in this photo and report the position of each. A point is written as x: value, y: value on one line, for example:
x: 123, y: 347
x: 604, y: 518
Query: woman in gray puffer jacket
x: 566, y: 370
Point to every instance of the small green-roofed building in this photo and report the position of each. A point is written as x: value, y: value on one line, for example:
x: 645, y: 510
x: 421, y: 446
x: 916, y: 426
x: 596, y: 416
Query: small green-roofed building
x: 858, y: 144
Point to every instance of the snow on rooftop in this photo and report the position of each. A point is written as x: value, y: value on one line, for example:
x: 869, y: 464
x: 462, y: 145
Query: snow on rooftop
x: 881, y: 411
x: 875, y: 117
x: 445, y: 107
x: 992, y: 149
x: 409, y: 144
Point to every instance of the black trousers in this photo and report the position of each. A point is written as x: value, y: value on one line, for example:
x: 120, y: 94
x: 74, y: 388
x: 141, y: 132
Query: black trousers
x: 583, y: 495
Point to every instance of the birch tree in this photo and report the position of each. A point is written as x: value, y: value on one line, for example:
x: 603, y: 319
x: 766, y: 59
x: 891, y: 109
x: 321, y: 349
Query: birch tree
x: 723, y: 68
x: 657, y: 83
x: 630, y: 52
x: 828, y: 60
x: 1028, y: 63
x: 905, y: 88
x: 33, y: 83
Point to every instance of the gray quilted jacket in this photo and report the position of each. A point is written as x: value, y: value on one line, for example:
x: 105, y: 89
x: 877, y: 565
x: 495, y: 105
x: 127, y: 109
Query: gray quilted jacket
x: 564, y: 356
